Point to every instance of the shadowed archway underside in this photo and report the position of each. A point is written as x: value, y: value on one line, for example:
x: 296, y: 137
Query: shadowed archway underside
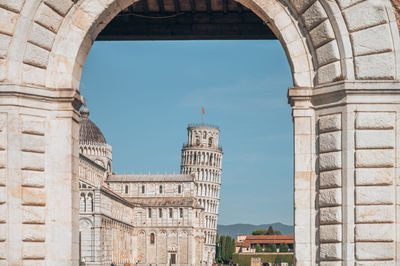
x: 186, y: 20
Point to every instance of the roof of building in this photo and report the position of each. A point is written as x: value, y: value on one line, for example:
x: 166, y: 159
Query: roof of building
x: 89, y: 132
x: 151, y: 178
x: 163, y: 201
x: 267, y: 239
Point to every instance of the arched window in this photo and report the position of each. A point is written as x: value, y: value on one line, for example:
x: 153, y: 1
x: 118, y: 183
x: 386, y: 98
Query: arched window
x: 160, y: 213
x: 152, y: 238
x: 170, y: 212
x: 143, y: 189
x: 126, y: 189
x: 181, y: 212
x: 197, y: 141
x: 204, y: 135
x: 179, y: 189
x: 149, y: 212
x: 160, y: 189
x: 210, y: 140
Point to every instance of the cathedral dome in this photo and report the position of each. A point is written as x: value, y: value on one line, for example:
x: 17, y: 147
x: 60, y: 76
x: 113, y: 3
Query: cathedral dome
x: 89, y: 132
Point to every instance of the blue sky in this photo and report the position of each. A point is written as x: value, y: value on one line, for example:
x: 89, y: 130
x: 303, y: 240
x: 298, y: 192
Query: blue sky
x: 142, y: 95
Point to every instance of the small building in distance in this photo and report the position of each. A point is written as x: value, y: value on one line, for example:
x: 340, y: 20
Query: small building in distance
x: 248, y: 243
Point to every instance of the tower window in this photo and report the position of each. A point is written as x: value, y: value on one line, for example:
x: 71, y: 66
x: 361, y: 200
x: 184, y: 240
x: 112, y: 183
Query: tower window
x: 126, y: 189
x: 210, y: 140
x: 143, y: 189
x: 160, y: 213
x: 149, y: 212
x: 152, y: 238
x: 179, y: 189
x: 204, y: 135
x: 170, y: 212
x: 181, y: 212
x: 160, y: 189
x: 197, y: 141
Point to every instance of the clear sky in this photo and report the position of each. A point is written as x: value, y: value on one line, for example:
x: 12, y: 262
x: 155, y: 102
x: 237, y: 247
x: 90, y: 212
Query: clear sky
x: 142, y: 95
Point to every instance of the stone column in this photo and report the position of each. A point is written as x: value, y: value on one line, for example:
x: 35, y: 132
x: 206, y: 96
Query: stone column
x: 39, y: 199
x: 357, y: 186
x: 304, y: 175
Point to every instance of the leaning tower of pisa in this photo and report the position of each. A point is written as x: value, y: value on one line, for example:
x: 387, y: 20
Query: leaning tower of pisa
x: 202, y: 156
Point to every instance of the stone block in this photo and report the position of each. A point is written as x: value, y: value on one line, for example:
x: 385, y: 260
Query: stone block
x: 33, y: 161
x: 330, y: 197
x: 36, y: 56
x: 375, y: 195
x: 375, y: 214
x: 42, y: 36
x: 375, y: 263
x: 314, y: 15
x: 3, y: 195
x: 33, y: 125
x: 3, y: 231
x: 33, y: 262
x: 330, y: 215
x: 346, y: 3
x: 48, y: 18
x: 375, y: 66
x: 374, y: 176
x: 33, y: 250
x: 330, y: 233
x: 322, y: 34
x: 375, y: 120
x: 329, y: 123
x: 33, y: 214
x: 61, y: 6
x: 362, y: 40
x: 300, y: 6
x: 374, y: 251
x: 3, y: 159
x: 375, y: 139
x: 330, y: 179
x: 33, y: 196
x: 3, y: 177
x: 33, y: 178
x: 330, y: 161
x: 374, y: 158
x: 33, y: 232
x: 3, y: 213
x: 32, y: 75
x: 330, y: 263
x: 330, y: 251
x: 3, y: 250
x: 365, y: 14
x: 8, y: 20
x: 328, y: 53
x: 329, y: 142
x: 34, y: 143
x: 14, y: 5
x: 4, y: 45
x: 375, y: 232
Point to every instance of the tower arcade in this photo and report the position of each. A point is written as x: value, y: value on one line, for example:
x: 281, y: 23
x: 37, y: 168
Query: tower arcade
x: 202, y: 156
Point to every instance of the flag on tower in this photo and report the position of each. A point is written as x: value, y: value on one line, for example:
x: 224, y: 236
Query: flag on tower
x: 202, y: 110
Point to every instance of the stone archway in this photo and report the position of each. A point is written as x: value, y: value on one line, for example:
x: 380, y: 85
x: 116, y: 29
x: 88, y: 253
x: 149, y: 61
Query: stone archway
x: 344, y: 57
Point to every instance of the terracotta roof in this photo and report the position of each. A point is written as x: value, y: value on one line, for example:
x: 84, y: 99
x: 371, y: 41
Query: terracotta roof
x: 268, y: 239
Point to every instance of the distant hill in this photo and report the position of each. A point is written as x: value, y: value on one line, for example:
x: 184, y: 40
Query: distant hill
x: 245, y: 229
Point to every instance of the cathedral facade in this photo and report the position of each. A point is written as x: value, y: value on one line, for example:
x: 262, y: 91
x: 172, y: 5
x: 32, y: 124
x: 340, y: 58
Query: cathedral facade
x: 149, y: 219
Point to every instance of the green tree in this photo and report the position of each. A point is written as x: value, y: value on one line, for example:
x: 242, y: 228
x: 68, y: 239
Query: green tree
x: 273, y: 248
x: 259, y: 232
x: 283, y: 247
x: 258, y: 248
x: 270, y: 231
